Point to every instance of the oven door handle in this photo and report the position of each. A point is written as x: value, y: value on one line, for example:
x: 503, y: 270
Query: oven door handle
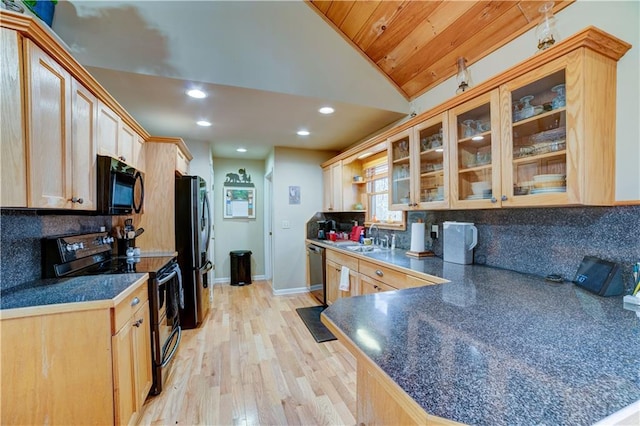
x: 166, y: 359
x: 166, y: 278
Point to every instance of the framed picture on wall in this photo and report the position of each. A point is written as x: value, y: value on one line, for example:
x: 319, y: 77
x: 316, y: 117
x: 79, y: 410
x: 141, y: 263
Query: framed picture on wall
x: 239, y: 202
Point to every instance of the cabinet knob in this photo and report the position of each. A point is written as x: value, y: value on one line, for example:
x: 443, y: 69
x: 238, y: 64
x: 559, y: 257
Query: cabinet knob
x: 376, y: 287
x: 138, y: 323
x: 379, y: 272
x: 504, y: 198
x: 122, y: 158
x: 493, y: 200
x: 77, y: 200
x: 135, y: 301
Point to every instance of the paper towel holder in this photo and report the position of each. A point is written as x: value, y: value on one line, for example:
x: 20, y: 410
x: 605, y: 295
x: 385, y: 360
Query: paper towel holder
x: 419, y: 253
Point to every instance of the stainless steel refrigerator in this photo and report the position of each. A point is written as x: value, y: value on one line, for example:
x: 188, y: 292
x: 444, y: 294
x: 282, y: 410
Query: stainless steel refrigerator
x: 193, y: 225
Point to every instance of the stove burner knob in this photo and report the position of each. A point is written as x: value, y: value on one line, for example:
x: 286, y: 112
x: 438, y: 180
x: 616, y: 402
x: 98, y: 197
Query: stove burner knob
x: 110, y: 240
x: 80, y: 245
x: 72, y: 247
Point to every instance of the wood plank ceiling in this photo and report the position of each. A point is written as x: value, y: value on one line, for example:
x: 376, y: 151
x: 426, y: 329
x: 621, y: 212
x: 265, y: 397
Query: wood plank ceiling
x: 416, y: 43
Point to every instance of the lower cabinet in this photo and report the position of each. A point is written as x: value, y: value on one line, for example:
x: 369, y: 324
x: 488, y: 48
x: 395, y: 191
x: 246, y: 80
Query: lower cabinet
x: 370, y: 285
x: 367, y: 277
x: 131, y: 346
x: 381, y: 402
x: 334, y: 263
x: 87, y: 366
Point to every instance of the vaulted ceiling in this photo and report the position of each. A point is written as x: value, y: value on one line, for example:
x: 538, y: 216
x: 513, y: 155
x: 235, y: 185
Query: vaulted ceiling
x: 268, y: 66
x: 416, y: 43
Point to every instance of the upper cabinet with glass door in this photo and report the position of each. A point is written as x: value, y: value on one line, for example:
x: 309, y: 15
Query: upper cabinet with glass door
x: 474, y: 145
x: 558, y: 125
x: 535, y: 149
x: 431, y: 170
x: 399, y: 150
x: 419, y: 166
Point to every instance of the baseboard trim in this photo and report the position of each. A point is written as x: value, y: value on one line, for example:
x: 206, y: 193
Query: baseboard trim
x: 288, y: 291
x: 226, y: 280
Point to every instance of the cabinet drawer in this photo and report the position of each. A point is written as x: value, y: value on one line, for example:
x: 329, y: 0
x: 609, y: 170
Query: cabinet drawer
x: 386, y: 275
x: 342, y: 259
x: 412, y: 281
x: 369, y: 285
x: 127, y: 307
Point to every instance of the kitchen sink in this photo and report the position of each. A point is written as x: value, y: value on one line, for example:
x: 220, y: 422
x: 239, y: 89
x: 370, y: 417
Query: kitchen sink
x: 365, y: 249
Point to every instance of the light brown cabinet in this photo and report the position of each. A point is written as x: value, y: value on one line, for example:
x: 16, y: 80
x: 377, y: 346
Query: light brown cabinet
x: 79, y: 363
x: 131, y: 345
x: 61, y: 147
x: 332, y: 187
x: 13, y: 155
x: 334, y: 263
x: 475, y: 149
x: 117, y: 139
x: 182, y: 164
x: 544, y: 138
x: 419, y: 167
x: 368, y: 276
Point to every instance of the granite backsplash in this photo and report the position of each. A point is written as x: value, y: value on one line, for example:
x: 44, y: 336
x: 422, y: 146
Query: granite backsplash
x: 20, y: 235
x: 540, y: 241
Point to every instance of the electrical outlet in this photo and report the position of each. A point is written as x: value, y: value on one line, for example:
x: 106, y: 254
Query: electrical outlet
x: 286, y: 224
x: 434, y: 231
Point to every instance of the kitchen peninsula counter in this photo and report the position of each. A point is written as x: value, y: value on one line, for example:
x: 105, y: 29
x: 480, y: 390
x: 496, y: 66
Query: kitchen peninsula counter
x: 496, y: 347
x: 66, y: 294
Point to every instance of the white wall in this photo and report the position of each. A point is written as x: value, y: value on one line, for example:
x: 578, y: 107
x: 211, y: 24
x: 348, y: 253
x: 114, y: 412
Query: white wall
x: 619, y: 18
x: 294, y: 167
x: 238, y: 234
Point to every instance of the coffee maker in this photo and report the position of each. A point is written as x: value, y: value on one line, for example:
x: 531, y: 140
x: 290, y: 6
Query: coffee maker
x: 325, y: 227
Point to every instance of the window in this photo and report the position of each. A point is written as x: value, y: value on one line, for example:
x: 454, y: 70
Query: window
x: 376, y: 174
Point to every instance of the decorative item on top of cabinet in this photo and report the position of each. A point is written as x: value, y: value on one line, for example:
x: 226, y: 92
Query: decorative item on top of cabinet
x: 418, y: 163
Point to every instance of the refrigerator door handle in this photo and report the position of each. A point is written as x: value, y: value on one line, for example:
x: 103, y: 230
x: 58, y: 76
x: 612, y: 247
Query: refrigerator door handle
x: 206, y: 218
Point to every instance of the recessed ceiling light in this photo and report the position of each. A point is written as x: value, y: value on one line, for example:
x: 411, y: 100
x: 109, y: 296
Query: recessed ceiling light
x: 195, y: 93
x: 365, y: 155
x: 326, y: 110
x: 203, y: 123
x: 303, y: 133
x: 477, y: 138
x: 241, y: 149
x: 439, y: 150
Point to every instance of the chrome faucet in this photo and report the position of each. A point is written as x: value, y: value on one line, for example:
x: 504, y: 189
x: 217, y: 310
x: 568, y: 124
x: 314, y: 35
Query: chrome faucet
x: 376, y: 240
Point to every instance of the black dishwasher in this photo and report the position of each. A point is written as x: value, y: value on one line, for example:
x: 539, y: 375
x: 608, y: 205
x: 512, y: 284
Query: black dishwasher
x: 317, y: 275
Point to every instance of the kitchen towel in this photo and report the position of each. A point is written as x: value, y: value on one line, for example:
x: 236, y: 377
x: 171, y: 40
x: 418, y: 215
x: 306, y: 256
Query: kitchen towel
x: 417, y: 237
x: 344, y: 279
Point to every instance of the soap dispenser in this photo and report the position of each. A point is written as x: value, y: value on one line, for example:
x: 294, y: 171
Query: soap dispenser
x: 362, y: 236
x: 393, y: 241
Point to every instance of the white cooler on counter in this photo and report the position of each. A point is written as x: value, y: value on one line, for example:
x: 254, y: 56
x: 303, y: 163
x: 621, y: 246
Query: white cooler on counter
x: 459, y: 240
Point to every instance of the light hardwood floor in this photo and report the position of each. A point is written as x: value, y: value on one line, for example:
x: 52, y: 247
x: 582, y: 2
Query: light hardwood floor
x: 253, y: 362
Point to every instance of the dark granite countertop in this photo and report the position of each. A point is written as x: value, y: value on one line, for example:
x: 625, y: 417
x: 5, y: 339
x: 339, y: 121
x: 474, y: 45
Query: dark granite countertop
x: 496, y: 347
x: 52, y: 291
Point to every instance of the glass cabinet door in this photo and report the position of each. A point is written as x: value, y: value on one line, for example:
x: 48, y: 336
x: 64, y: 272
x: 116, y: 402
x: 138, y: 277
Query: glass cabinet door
x: 400, y: 168
x: 475, y: 152
x: 535, y: 167
x: 432, y: 180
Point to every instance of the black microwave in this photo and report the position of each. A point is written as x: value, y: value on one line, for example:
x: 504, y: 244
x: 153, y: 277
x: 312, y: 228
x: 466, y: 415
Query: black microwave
x: 120, y: 187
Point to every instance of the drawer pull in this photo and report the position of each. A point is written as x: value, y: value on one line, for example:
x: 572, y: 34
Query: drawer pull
x: 379, y: 272
x: 376, y: 287
x: 135, y: 301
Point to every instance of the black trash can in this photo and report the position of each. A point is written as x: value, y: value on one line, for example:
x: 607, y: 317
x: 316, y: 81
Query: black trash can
x: 240, y: 267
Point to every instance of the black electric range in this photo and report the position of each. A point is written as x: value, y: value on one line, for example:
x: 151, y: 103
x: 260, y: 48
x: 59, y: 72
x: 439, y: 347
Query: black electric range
x: 91, y: 254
